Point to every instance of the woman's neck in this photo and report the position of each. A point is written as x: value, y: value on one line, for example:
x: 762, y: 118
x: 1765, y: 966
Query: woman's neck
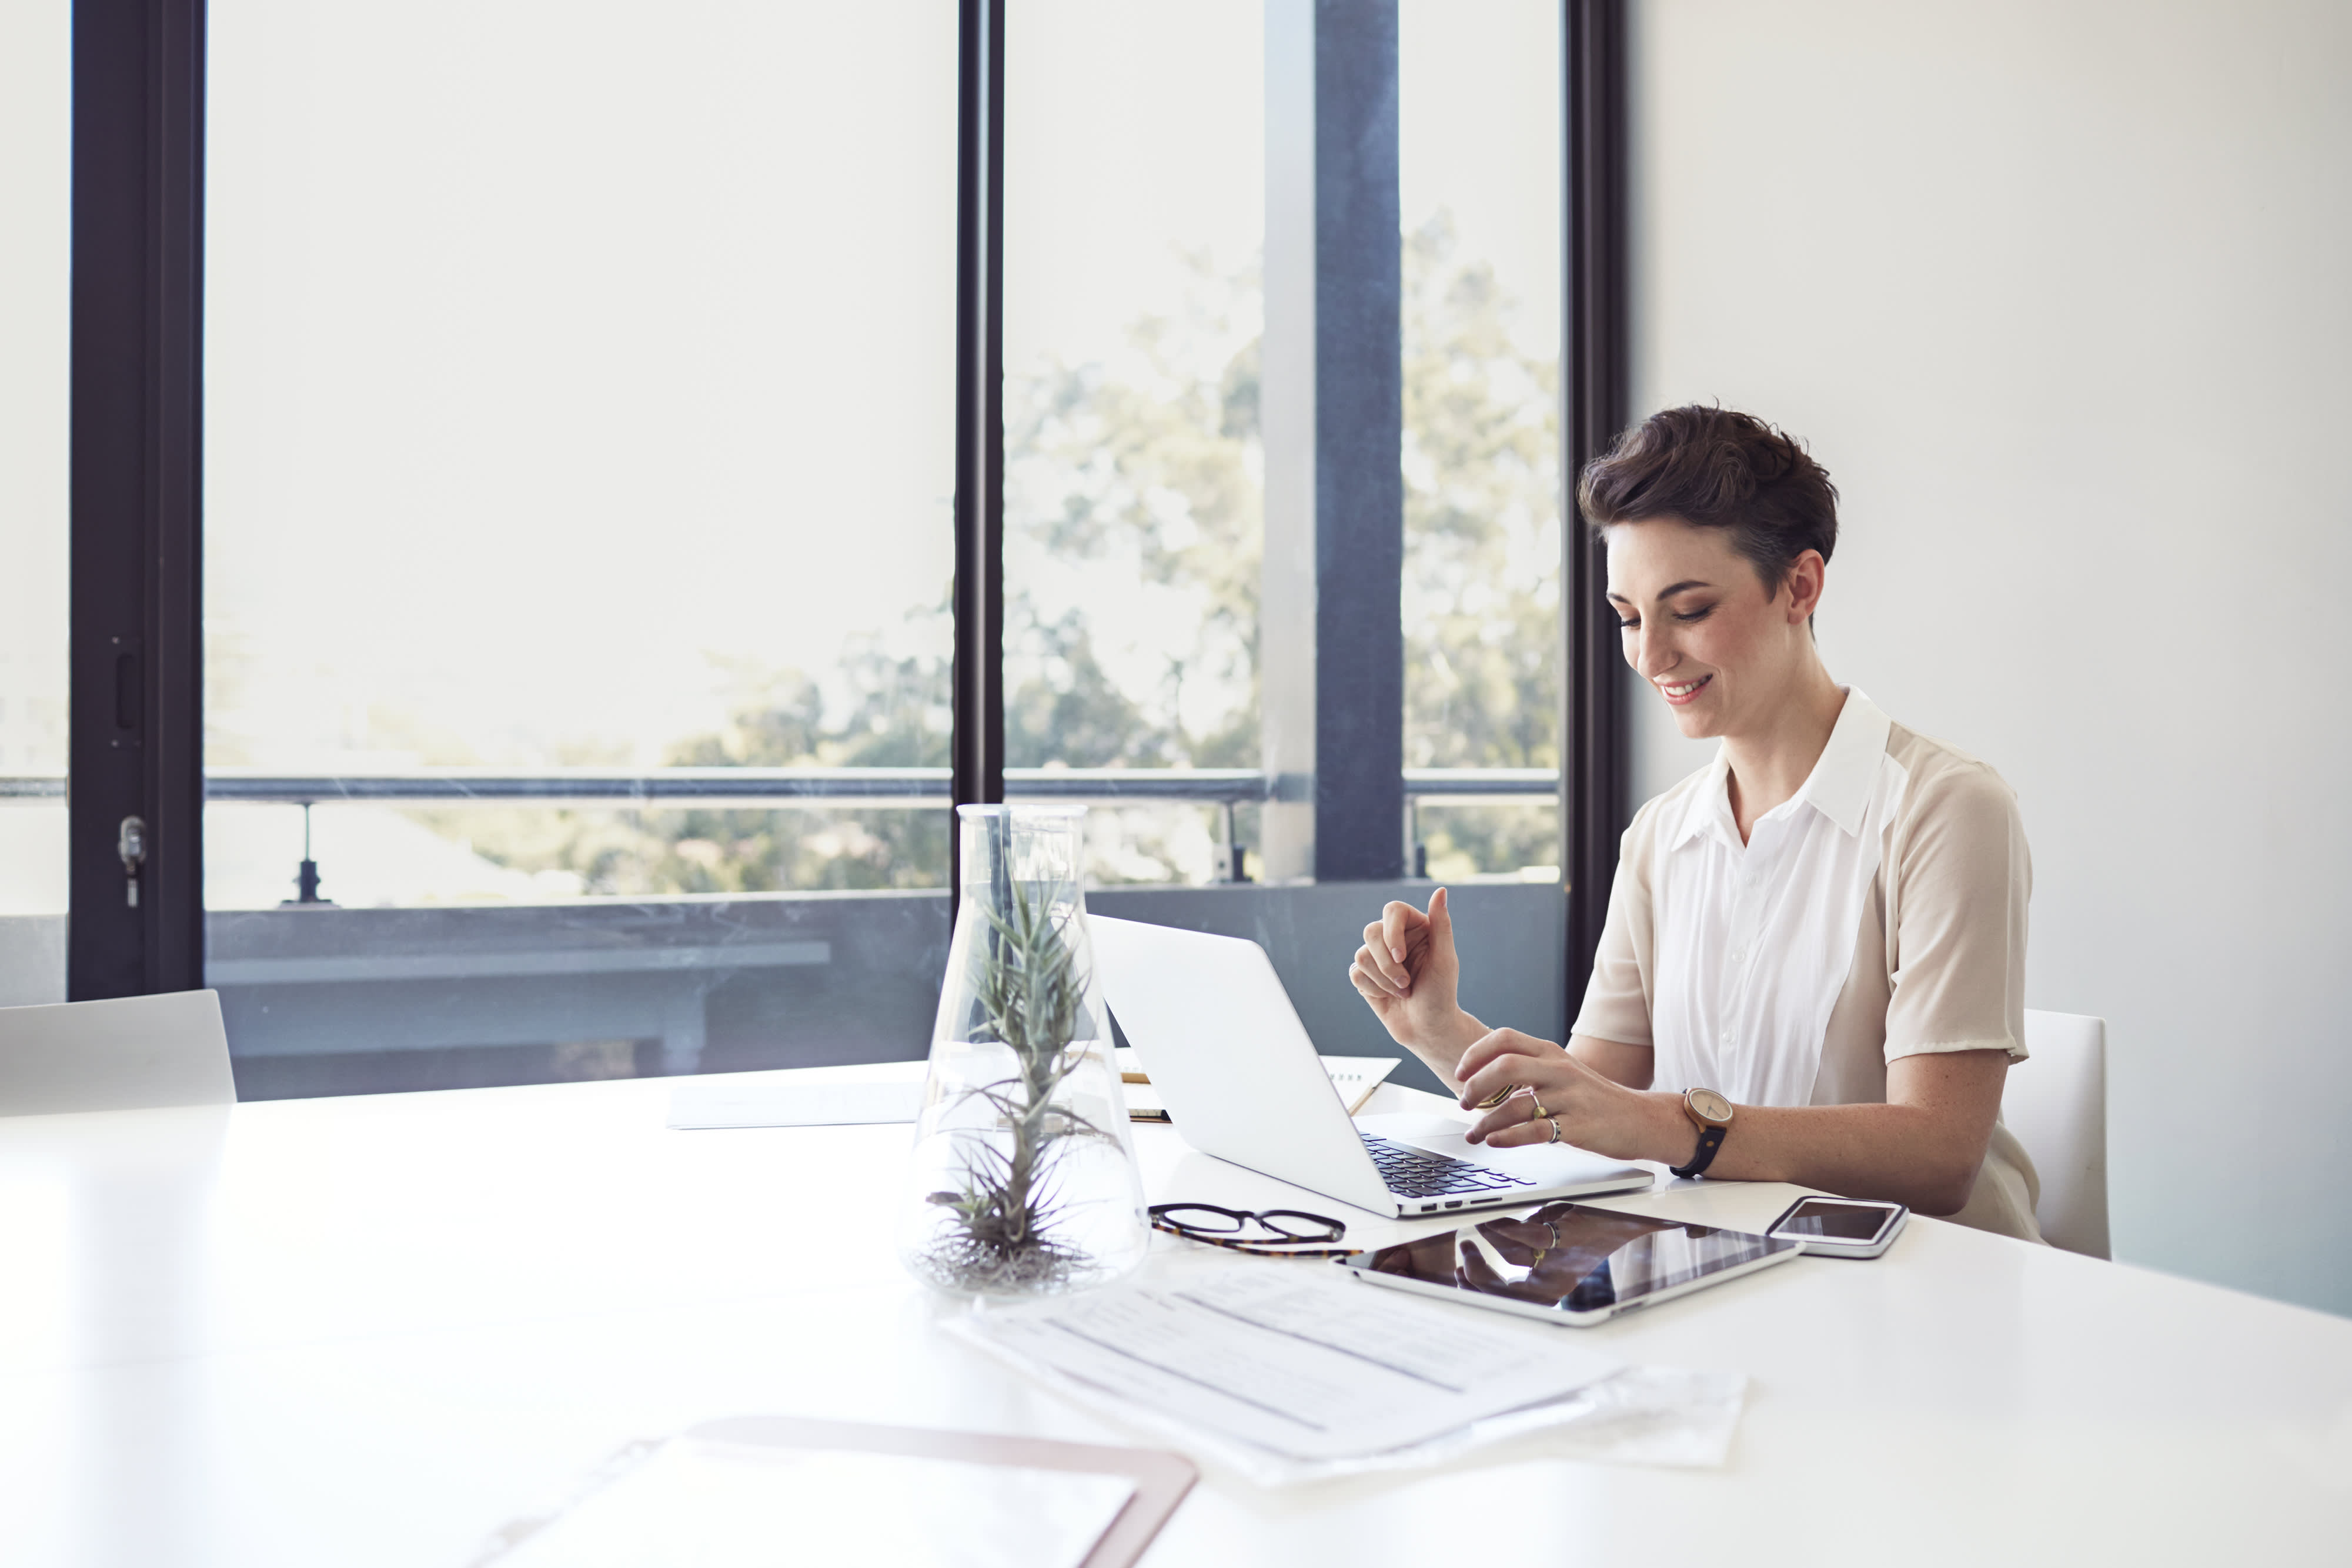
x: 1771, y: 764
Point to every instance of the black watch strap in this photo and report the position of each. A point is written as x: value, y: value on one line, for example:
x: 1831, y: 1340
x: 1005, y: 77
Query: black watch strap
x: 1709, y: 1140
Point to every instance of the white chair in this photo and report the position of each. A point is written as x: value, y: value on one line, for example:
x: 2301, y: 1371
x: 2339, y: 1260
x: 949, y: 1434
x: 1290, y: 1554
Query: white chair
x: 128, y: 1054
x: 2056, y: 1104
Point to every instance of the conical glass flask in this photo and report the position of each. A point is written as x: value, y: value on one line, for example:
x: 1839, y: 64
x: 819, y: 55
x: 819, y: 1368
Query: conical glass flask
x: 1022, y: 1180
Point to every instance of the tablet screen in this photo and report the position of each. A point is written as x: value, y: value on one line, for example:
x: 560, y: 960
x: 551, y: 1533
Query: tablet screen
x: 1570, y: 1257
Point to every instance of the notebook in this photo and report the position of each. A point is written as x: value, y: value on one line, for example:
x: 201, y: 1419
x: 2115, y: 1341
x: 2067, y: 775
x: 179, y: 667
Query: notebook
x: 1354, y: 1076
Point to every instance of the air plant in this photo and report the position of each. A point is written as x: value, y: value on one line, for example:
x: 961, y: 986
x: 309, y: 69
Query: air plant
x: 1031, y: 994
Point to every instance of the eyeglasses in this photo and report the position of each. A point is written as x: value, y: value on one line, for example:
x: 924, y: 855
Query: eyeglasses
x: 1206, y: 1222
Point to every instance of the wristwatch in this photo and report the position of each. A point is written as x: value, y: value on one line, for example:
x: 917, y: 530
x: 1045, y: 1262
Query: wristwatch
x: 1711, y: 1114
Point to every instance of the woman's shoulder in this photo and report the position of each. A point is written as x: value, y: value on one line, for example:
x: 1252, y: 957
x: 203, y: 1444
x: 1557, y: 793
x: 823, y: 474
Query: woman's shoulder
x: 1940, y: 778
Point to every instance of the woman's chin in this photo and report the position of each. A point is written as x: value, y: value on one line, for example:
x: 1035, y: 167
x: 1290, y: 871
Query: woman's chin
x: 1698, y: 720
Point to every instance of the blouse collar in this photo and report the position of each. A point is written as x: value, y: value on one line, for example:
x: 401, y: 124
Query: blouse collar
x: 1839, y: 786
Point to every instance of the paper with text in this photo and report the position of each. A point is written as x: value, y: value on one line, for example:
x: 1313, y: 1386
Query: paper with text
x: 1290, y: 1360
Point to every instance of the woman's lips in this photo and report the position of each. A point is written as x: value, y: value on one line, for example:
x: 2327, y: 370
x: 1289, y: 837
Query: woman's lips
x: 1680, y: 691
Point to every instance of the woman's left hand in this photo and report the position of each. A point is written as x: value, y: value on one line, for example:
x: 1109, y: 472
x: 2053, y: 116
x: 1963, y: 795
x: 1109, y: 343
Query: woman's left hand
x: 1594, y: 1112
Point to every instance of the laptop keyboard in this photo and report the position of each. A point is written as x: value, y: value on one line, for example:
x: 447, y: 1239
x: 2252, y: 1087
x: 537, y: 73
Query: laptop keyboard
x: 1417, y: 1173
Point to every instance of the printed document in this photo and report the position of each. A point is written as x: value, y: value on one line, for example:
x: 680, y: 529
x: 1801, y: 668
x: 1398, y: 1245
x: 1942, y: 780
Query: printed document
x: 1285, y: 1357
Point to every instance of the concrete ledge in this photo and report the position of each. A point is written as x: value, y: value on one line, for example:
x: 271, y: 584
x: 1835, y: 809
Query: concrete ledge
x: 355, y: 1000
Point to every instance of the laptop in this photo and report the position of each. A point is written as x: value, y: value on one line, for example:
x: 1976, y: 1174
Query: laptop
x: 1213, y: 1029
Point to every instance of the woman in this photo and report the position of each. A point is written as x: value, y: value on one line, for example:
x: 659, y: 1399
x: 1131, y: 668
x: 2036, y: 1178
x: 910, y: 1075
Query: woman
x: 1813, y: 969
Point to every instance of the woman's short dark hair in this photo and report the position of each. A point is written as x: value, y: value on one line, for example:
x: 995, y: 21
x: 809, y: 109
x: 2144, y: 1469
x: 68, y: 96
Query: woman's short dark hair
x: 1716, y: 468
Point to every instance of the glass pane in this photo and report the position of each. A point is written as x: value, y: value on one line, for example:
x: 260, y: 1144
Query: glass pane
x: 578, y: 440
x: 1135, y: 214
x: 35, y: 170
x: 1480, y: 189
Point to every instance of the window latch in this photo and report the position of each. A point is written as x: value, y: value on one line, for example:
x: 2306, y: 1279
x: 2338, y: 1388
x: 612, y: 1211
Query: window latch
x: 131, y: 845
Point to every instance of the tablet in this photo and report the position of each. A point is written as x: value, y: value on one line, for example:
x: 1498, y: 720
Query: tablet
x: 1569, y: 1262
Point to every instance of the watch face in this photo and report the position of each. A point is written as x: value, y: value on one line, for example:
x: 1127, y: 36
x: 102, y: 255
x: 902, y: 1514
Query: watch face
x: 1710, y: 1104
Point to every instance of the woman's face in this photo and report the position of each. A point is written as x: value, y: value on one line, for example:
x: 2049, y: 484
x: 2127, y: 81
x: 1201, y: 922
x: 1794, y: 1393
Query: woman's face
x: 1700, y: 628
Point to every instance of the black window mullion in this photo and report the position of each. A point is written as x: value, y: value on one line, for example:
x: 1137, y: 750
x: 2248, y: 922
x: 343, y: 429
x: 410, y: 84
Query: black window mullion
x: 136, y: 657
x: 1593, y: 802
x: 979, y: 681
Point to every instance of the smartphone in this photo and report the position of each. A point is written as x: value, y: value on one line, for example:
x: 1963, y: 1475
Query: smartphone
x: 1840, y: 1227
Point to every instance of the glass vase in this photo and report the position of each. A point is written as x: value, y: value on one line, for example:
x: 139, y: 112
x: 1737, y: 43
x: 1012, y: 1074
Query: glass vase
x: 1022, y: 1180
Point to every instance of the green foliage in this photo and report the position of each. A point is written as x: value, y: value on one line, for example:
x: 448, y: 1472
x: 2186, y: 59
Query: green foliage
x: 1151, y: 475
x: 898, y: 718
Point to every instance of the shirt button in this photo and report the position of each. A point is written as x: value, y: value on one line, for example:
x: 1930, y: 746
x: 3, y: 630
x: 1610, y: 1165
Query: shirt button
x: 1727, y: 1037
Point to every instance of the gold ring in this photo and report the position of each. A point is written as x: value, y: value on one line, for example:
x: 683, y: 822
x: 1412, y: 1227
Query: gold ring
x: 1497, y: 1098
x: 1555, y: 1129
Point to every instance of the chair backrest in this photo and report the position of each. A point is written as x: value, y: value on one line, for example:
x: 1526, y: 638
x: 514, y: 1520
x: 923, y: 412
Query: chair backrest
x: 2056, y: 1104
x: 128, y: 1054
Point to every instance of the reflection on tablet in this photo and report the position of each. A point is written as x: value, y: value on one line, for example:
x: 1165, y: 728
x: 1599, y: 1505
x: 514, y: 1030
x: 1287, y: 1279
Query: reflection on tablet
x: 1573, y: 1258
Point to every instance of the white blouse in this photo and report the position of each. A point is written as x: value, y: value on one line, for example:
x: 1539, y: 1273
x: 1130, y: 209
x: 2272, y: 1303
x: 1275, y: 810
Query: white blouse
x: 1879, y: 913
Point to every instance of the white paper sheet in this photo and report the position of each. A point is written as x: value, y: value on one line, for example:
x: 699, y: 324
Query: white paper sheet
x: 724, y: 1505
x: 1291, y: 1360
x: 765, y: 1102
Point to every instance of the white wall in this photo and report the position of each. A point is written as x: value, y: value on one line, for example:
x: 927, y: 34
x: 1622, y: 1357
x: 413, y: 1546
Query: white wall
x: 36, y: 191
x: 32, y: 959
x: 2061, y: 293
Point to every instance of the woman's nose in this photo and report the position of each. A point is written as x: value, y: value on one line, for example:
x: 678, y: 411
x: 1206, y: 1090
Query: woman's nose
x: 1655, y: 654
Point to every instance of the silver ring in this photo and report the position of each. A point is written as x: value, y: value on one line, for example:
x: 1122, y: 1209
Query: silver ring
x: 1555, y: 1129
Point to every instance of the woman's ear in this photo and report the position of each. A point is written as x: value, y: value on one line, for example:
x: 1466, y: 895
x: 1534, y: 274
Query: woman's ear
x: 1808, y: 576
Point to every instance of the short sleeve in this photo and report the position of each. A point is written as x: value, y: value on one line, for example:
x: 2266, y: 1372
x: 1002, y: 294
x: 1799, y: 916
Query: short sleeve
x: 1956, y: 954
x: 1617, y: 999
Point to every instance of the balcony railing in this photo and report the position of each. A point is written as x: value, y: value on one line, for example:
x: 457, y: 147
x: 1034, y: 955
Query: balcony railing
x: 790, y: 786
x: 1223, y: 787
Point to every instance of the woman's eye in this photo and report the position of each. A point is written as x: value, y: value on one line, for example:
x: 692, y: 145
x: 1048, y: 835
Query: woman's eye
x: 1629, y: 625
x: 1695, y: 614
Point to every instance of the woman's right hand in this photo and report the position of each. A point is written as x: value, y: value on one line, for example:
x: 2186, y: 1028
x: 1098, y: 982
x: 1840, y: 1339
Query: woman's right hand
x: 1407, y: 972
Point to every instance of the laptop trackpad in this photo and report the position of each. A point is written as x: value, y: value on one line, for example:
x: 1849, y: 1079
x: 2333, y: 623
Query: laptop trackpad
x: 1438, y: 1134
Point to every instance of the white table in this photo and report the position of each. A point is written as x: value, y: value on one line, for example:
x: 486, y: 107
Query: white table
x: 367, y: 1331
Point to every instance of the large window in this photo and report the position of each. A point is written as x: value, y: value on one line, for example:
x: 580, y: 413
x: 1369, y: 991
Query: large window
x: 1479, y: 177
x: 35, y: 174
x: 580, y: 444
x: 582, y: 441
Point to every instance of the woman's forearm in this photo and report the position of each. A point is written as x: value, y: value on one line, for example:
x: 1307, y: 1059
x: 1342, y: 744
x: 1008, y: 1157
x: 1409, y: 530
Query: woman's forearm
x: 1897, y: 1152
x: 1923, y: 1149
x: 1441, y: 1049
